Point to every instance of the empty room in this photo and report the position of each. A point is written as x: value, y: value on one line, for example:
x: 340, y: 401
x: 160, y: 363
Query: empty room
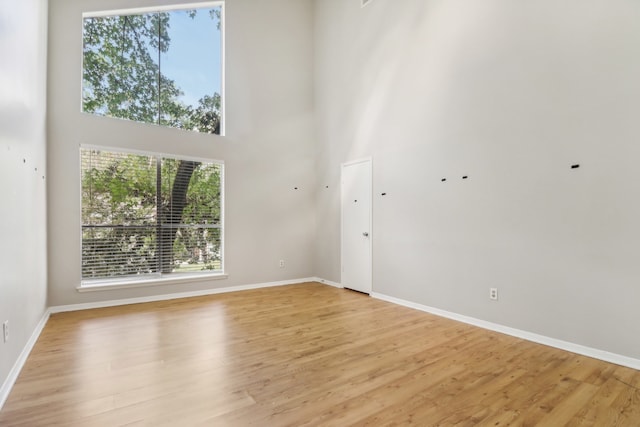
x: 319, y: 212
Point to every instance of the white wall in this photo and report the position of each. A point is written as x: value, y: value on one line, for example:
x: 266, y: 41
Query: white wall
x: 510, y: 94
x: 23, y: 262
x: 267, y: 152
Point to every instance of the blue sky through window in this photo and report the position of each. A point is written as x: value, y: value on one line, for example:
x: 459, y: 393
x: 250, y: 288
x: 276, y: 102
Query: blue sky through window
x: 194, y: 57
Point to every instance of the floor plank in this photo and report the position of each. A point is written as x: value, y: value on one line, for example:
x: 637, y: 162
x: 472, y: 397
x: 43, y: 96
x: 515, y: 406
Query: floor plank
x: 304, y: 355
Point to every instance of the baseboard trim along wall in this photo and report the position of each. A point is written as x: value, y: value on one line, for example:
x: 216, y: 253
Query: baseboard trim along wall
x: 606, y: 356
x: 17, y: 367
x: 165, y: 297
x: 328, y: 282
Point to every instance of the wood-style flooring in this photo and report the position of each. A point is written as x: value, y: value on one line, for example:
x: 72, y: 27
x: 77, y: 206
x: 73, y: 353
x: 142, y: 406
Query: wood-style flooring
x: 300, y: 355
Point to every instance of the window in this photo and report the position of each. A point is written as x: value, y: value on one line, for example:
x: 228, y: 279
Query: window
x: 146, y: 215
x: 162, y: 67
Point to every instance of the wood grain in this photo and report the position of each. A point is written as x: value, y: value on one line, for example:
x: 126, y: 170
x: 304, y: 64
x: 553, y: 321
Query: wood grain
x: 304, y: 355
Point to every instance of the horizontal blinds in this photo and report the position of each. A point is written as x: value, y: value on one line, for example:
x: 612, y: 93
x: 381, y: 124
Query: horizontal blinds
x: 149, y: 215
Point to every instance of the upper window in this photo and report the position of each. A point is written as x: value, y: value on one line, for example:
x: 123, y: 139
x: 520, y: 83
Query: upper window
x: 147, y: 215
x: 162, y: 66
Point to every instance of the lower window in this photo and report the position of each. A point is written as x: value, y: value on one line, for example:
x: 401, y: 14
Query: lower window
x: 148, y: 215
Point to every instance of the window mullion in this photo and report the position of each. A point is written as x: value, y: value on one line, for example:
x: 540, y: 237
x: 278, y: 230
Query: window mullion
x: 159, y: 250
x: 159, y: 69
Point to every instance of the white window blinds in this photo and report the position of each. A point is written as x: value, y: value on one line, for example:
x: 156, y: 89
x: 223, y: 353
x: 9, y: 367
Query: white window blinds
x: 146, y: 215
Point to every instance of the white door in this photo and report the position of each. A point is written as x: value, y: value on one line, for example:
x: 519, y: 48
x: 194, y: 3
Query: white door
x: 356, y: 225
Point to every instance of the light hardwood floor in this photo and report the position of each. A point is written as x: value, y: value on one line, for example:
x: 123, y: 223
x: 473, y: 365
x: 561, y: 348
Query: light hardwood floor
x: 305, y: 354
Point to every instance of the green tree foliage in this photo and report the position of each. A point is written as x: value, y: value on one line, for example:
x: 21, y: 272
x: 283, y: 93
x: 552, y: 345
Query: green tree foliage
x: 122, y: 75
x: 205, y: 117
x: 157, y: 217
x: 143, y: 214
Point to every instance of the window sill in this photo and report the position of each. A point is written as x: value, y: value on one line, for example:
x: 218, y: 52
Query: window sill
x: 103, y: 285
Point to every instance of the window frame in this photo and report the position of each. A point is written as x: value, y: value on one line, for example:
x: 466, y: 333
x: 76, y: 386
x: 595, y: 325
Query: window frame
x: 165, y: 8
x: 101, y: 284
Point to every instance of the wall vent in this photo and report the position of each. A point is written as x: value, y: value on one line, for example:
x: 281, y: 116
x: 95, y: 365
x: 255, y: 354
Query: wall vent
x: 366, y: 2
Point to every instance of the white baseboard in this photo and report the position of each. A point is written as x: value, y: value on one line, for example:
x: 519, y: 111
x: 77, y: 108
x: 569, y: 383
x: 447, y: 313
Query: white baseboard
x: 328, y: 282
x: 22, y: 359
x: 606, y: 356
x: 165, y: 297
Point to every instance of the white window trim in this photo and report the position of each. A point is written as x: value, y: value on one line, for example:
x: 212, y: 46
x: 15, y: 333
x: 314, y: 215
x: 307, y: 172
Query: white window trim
x: 151, y: 9
x: 152, y: 280
x: 148, y: 153
x: 186, y: 6
x: 104, y: 285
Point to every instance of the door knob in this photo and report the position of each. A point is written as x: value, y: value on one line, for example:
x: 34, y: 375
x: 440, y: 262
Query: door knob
x: 365, y: 234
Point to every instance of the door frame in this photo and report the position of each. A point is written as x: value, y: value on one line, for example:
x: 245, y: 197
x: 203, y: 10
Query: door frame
x: 370, y: 180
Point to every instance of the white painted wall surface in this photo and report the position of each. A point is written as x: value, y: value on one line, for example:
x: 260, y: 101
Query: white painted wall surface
x: 267, y: 150
x: 510, y: 94
x: 23, y: 261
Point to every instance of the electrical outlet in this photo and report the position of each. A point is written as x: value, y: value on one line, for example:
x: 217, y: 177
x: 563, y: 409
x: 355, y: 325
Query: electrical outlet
x: 281, y: 263
x: 493, y: 294
x: 5, y: 330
